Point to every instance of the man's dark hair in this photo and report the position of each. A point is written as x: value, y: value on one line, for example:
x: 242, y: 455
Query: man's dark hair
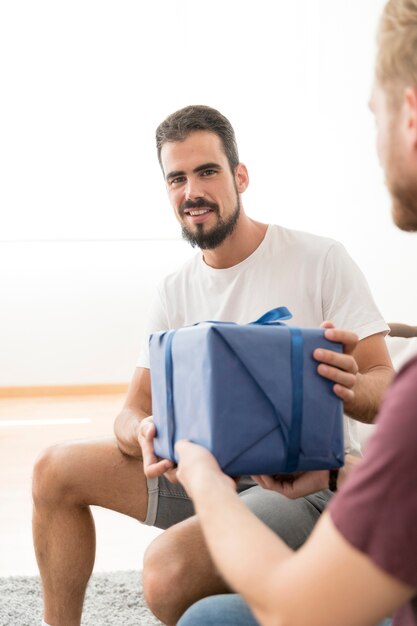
x: 179, y: 125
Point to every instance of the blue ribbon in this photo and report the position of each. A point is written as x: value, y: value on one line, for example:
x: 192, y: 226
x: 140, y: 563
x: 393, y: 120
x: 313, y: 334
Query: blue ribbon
x: 170, y: 394
x: 294, y: 435
x: 272, y: 317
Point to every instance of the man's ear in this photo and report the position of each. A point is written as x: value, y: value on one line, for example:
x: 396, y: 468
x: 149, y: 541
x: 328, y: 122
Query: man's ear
x: 241, y: 177
x: 410, y: 109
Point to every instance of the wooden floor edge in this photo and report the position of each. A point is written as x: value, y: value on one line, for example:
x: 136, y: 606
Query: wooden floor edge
x: 62, y: 390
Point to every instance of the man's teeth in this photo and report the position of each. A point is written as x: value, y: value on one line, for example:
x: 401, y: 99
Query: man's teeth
x: 199, y: 212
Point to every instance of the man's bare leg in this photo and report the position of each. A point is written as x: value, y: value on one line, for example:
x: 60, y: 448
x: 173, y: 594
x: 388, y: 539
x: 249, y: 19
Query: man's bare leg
x: 67, y: 479
x: 178, y: 571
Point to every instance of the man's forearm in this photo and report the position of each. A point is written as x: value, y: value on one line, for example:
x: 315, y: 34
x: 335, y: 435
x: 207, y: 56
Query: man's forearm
x: 369, y: 391
x: 283, y: 587
x: 239, y: 543
x: 313, y: 585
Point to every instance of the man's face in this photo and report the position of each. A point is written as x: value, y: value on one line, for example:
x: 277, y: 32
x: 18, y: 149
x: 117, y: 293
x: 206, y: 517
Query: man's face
x: 397, y: 157
x: 202, y: 188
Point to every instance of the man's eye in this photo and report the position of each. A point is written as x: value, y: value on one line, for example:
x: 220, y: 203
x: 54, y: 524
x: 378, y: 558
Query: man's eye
x: 208, y: 172
x: 177, y: 180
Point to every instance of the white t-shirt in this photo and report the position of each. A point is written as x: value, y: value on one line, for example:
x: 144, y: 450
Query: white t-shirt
x: 312, y: 276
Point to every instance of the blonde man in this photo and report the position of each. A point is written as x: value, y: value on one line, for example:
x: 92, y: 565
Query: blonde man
x: 360, y: 563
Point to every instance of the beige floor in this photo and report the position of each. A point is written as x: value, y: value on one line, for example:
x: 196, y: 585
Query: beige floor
x: 26, y: 427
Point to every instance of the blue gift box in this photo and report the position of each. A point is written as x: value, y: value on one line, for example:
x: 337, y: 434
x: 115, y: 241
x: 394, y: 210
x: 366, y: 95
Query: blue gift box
x: 249, y: 393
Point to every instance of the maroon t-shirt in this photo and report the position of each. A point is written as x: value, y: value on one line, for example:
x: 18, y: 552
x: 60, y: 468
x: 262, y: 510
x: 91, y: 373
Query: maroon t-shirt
x: 376, y: 509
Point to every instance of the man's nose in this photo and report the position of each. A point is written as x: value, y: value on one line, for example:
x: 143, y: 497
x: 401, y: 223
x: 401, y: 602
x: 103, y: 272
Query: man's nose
x: 193, y: 189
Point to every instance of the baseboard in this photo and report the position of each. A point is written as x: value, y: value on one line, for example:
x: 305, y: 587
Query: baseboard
x: 62, y: 390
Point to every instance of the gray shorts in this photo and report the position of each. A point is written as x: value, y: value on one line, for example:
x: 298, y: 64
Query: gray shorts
x: 292, y: 520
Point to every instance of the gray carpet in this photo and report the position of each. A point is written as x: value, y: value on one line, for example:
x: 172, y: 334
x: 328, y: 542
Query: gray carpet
x: 112, y: 599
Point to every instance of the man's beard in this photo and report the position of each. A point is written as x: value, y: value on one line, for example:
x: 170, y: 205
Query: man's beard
x: 208, y: 240
x: 402, y: 187
x: 404, y: 204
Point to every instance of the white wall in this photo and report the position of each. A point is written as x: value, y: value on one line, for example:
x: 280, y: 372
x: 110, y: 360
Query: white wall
x: 86, y: 229
x: 73, y: 312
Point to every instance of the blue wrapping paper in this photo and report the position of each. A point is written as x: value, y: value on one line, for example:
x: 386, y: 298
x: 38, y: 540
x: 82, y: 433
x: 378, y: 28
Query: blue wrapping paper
x: 249, y: 393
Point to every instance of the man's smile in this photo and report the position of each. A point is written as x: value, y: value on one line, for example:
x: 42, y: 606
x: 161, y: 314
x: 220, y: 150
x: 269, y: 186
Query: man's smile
x: 197, y: 216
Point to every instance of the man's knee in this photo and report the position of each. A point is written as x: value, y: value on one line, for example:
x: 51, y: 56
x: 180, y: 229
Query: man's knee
x: 51, y: 482
x: 178, y: 571
x: 164, y: 570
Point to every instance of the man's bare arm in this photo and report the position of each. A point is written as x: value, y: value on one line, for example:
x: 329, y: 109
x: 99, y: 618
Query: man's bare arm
x: 402, y: 330
x: 137, y: 406
x: 134, y: 428
x: 325, y: 582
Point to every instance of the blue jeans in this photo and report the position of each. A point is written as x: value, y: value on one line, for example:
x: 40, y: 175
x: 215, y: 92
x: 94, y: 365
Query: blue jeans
x: 227, y: 610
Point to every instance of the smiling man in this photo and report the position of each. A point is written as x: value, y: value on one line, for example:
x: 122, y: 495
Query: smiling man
x: 205, y: 194
x: 203, y: 223
x: 243, y: 269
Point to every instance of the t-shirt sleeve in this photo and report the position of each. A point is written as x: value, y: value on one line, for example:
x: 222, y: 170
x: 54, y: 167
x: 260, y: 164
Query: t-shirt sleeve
x: 376, y: 509
x: 157, y: 320
x: 346, y: 298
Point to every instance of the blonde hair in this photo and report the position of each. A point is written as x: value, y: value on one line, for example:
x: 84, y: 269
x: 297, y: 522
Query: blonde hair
x: 396, y: 62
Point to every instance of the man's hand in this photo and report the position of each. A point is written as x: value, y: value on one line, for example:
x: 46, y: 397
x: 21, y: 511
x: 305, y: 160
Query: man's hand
x: 197, y: 468
x: 341, y: 368
x: 305, y: 483
x: 135, y: 430
x: 295, y: 485
x: 152, y: 466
